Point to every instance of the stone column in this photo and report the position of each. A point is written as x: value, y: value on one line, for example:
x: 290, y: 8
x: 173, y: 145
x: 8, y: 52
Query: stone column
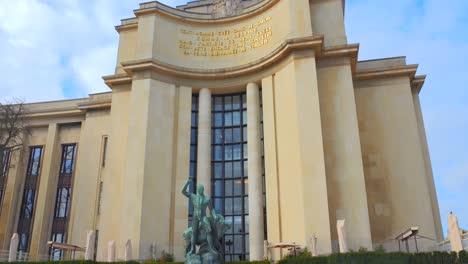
x: 204, y: 140
x: 255, y: 173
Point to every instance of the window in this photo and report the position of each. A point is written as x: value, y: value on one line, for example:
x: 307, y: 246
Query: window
x: 229, y: 171
x: 23, y: 242
x: 28, y: 203
x: 62, y: 202
x: 29, y: 197
x: 57, y: 254
x: 4, y: 173
x: 6, y: 162
x: 34, y: 164
x: 63, y: 198
x: 193, y: 151
x: 104, y: 151
x: 68, y: 159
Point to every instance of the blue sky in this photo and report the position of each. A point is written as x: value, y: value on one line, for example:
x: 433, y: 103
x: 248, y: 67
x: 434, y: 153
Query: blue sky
x: 56, y: 49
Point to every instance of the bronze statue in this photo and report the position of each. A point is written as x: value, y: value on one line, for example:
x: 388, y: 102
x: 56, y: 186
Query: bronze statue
x: 205, y: 232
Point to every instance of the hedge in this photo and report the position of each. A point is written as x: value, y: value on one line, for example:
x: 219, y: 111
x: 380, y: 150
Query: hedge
x: 382, y: 258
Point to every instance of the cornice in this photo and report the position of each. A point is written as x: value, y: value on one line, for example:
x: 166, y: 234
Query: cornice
x: 388, y: 72
x: 288, y: 47
x: 417, y: 83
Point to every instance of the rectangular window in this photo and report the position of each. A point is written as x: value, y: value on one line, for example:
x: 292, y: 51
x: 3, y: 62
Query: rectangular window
x: 193, y: 151
x: 4, y: 173
x: 62, y: 202
x: 104, y: 151
x: 63, y: 198
x: 29, y: 197
x: 57, y: 254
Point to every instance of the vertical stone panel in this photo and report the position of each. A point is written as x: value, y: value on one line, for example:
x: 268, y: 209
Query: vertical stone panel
x: 301, y: 165
x: 343, y: 161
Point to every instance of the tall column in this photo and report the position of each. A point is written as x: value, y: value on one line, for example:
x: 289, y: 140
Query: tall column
x: 255, y: 173
x: 204, y: 140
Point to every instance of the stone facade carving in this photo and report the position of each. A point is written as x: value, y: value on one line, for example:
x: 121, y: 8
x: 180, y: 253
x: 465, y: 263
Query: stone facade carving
x: 226, y: 8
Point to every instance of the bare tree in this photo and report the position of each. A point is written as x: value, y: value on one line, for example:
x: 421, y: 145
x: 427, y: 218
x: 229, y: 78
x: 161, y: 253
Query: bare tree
x: 13, y: 126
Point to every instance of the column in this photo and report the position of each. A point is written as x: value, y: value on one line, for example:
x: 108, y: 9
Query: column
x: 204, y: 140
x: 255, y: 173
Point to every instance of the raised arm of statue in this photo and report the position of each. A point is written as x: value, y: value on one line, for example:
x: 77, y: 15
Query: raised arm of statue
x: 184, y: 189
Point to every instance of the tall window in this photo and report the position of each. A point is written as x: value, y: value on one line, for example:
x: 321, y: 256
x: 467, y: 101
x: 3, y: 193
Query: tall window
x: 229, y: 171
x: 193, y: 151
x: 63, y: 198
x: 4, y: 174
x: 29, y: 197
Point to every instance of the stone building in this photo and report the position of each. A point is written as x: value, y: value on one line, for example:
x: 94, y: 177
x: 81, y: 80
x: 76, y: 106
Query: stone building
x: 269, y: 108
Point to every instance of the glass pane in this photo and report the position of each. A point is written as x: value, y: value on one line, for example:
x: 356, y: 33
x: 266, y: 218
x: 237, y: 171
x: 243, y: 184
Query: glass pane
x: 245, y: 150
x: 218, y: 205
x: 244, y: 117
x: 228, y: 188
x: 229, y: 244
x: 238, y: 245
x: 193, y: 153
x: 218, y: 188
x: 193, y: 136
x: 237, y: 169
x: 218, y: 170
x: 218, y: 104
x: 238, y: 187
x: 194, y: 119
x: 244, y: 101
x: 192, y: 169
x: 237, y: 152
x: 218, y: 153
x: 244, y: 133
x: 246, y: 168
x: 228, y: 152
x: 238, y: 228
x: 227, y: 103
x: 218, y: 136
x: 247, y: 243
x: 228, y: 119
x: 236, y: 137
x: 228, y: 169
x: 236, y: 102
x: 228, y: 206
x: 238, y: 203
x: 218, y: 120
x: 228, y: 133
x: 230, y: 224
x: 236, y: 119
x: 246, y: 208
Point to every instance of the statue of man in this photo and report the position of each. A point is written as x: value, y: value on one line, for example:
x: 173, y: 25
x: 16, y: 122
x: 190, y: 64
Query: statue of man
x: 200, y: 204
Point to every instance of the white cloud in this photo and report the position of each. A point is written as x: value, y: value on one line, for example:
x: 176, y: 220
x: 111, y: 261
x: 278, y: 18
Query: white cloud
x: 51, y: 46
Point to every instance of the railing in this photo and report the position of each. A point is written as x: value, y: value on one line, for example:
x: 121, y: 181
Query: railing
x: 4, y: 255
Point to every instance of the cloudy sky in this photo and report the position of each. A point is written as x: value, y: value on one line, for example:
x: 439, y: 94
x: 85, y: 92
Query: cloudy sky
x: 56, y: 49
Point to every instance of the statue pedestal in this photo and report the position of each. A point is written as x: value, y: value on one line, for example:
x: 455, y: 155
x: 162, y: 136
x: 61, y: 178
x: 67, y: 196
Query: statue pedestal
x: 204, y: 258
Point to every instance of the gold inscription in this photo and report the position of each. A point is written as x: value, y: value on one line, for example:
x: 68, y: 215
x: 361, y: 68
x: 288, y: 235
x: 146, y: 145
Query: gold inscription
x: 225, y: 42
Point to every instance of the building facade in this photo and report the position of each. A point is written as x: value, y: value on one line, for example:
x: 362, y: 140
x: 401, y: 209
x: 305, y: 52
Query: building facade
x: 267, y: 107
